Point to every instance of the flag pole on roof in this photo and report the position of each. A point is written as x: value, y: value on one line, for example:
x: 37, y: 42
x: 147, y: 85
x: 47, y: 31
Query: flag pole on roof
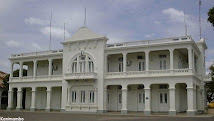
x: 64, y: 31
x: 200, y: 17
x: 85, y: 19
x: 185, y: 24
x: 50, y: 32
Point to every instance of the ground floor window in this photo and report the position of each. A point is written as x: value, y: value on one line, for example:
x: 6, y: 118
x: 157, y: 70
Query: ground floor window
x: 74, y: 96
x: 91, y: 97
x: 82, y: 99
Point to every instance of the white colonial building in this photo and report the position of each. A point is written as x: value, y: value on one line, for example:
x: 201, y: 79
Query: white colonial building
x: 89, y: 75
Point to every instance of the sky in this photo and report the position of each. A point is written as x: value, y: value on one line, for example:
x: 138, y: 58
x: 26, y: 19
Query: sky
x: 24, y: 24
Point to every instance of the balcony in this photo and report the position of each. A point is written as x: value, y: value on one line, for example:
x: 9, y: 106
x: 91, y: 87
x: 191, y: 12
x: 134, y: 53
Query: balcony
x: 208, y: 78
x: 150, y: 42
x: 37, y: 78
x: 86, y: 75
x: 153, y: 73
x: 41, y: 53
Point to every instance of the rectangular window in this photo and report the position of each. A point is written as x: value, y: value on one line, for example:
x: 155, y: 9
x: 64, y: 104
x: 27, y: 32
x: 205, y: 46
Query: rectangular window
x: 161, y: 98
x: 74, y: 96
x: 108, y: 98
x: 91, y: 66
x: 140, y: 98
x: 141, y: 66
x: 74, y: 67
x: 91, y: 96
x: 82, y: 100
x: 120, y: 98
x: 120, y: 66
x: 165, y: 97
x: 143, y: 97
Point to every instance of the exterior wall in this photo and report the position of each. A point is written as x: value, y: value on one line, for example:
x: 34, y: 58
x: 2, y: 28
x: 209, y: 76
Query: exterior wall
x: 56, y: 98
x: 56, y: 90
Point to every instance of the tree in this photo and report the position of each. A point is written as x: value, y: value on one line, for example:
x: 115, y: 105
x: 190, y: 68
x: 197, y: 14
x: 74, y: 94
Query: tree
x: 210, y: 86
x: 211, y: 16
x: 15, y: 74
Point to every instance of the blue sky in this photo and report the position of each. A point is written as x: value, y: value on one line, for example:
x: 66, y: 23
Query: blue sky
x: 24, y: 24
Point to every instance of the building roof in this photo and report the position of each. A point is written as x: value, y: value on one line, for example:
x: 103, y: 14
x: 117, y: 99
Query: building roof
x: 84, y: 33
x: 2, y: 75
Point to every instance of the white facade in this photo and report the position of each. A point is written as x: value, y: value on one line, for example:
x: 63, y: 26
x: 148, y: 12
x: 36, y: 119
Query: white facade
x: 89, y: 75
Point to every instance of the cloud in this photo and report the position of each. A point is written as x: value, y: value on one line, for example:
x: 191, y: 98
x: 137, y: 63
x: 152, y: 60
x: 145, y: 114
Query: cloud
x: 149, y: 35
x: 56, y: 32
x: 36, y: 46
x: 36, y: 21
x: 174, y: 14
x: 12, y: 43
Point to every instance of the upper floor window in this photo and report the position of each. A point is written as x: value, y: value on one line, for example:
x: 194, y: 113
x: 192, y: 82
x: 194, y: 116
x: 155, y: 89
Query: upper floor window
x: 162, y: 59
x: 120, y: 66
x: 82, y: 64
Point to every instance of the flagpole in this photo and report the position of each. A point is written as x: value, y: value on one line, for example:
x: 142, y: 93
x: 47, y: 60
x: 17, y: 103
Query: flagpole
x: 50, y: 32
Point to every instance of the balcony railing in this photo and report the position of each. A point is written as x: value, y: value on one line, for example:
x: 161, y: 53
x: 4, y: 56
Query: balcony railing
x: 150, y: 73
x: 208, y: 78
x: 86, y: 75
x: 37, y: 78
x: 37, y: 53
x: 148, y: 42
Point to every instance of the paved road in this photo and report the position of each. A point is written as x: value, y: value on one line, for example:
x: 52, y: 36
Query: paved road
x: 43, y: 116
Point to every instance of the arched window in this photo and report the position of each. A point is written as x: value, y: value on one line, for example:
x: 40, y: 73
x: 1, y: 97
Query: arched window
x: 82, y: 64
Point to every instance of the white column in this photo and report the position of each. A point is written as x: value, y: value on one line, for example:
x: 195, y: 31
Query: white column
x: 86, y: 64
x: 95, y: 95
x: 48, y: 106
x: 124, y: 99
x: 50, y: 67
x: 33, y: 99
x: 190, y: 57
x: 193, y: 61
x: 171, y: 59
x: 147, y: 110
x: 124, y: 61
x: 21, y: 69
x: 10, y: 99
x: 190, y: 101
x: 78, y: 64
x: 11, y: 69
x: 172, y: 110
x: 19, y: 99
x: 69, y: 97
x: 105, y: 99
x: 34, y: 68
x: 147, y: 60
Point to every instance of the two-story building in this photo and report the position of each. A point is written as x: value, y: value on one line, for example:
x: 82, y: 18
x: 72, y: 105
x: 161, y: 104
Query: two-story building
x: 89, y: 75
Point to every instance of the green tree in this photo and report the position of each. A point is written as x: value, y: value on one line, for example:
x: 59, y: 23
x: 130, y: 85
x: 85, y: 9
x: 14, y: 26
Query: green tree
x: 211, y: 16
x: 210, y: 86
x: 15, y: 74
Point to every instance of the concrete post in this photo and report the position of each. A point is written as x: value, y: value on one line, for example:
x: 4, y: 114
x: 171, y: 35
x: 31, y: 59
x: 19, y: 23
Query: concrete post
x: 190, y: 101
x: 33, y: 99
x: 147, y: 60
x: 124, y: 109
x: 21, y: 69
x: 171, y: 59
x: 34, y: 68
x: 69, y: 97
x: 172, y: 110
x: 10, y: 99
x: 50, y: 67
x: 124, y: 61
x: 190, y: 57
x: 147, y: 110
x: 19, y: 99
x: 48, y: 106
x: 11, y: 70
